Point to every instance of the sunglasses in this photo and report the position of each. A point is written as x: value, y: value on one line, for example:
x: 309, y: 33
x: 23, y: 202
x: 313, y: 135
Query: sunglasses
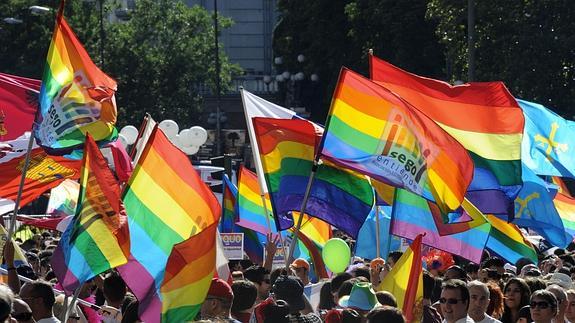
x: 542, y: 305
x: 451, y: 301
x: 24, y: 316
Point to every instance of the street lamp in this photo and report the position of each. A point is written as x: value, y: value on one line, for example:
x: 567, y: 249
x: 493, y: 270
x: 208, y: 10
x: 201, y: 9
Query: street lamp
x: 102, y: 33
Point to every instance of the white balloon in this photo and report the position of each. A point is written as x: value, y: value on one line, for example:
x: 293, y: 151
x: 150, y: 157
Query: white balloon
x: 187, y: 138
x: 190, y: 150
x: 177, y: 141
x: 170, y: 128
x: 130, y: 133
x: 123, y: 140
x: 199, y: 135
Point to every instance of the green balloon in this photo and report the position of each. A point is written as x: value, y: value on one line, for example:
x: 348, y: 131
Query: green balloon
x: 336, y: 255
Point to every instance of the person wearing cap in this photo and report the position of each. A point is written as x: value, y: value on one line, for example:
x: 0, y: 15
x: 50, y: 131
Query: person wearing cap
x: 479, y: 299
x: 300, y: 268
x: 454, y: 302
x: 290, y: 290
x: 561, y: 297
x: 218, y: 302
x: 362, y: 298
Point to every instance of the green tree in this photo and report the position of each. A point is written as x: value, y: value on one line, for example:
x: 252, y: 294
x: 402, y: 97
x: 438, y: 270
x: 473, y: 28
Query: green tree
x: 527, y: 44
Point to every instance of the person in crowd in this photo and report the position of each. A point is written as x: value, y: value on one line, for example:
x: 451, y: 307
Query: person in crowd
x: 347, y: 286
x: 130, y: 313
x: 543, y: 306
x: 325, y: 298
x: 494, y: 263
x: 115, y: 290
x: 245, y: 294
x: 393, y: 257
x: 277, y: 311
x: 218, y: 302
x: 472, y: 270
x: 495, y: 307
x: 387, y: 314
x: 21, y: 312
x: 478, y: 302
x: 336, y: 283
x: 6, y: 300
x: 455, y: 272
x: 40, y: 297
x: 300, y: 268
x: 524, y: 315
x: 454, y: 302
x: 570, y: 310
x: 290, y: 290
x: 561, y: 297
x: 535, y: 283
x: 430, y: 313
x: 362, y: 298
x: 386, y: 298
x: 361, y: 271
x: 529, y: 270
x: 516, y: 293
x: 237, y: 275
x: 376, y: 266
x: 261, y: 278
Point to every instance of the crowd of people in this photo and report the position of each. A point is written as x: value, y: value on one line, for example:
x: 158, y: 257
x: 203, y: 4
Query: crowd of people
x: 490, y: 292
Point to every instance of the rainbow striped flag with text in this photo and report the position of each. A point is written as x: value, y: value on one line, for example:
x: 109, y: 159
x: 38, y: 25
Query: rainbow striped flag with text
x: 373, y: 131
x: 483, y: 117
x: 97, y: 239
x: 167, y: 203
x: 76, y: 96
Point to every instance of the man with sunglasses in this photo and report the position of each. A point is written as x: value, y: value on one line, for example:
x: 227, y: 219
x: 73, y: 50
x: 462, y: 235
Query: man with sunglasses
x: 454, y: 302
x: 261, y: 278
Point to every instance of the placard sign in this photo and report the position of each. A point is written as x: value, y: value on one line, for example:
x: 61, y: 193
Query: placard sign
x: 233, y: 245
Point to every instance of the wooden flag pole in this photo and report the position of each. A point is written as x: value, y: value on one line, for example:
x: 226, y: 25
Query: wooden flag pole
x: 21, y: 186
x: 302, y: 212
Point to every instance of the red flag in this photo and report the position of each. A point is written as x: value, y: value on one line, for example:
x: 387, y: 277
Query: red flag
x: 18, y: 104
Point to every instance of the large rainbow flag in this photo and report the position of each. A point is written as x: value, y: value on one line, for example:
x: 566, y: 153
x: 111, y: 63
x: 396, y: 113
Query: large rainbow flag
x: 483, y: 117
x: 405, y: 280
x: 338, y: 196
x: 76, y: 96
x: 167, y: 202
x: 251, y: 211
x: 375, y: 132
x: 97, y: 239
x: 188, y: 276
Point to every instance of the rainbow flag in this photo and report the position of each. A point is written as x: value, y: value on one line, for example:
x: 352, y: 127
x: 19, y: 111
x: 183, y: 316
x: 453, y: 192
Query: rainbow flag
x: 506, y: 240
x: 167, y: 203
x: 251, y: 212
x: 189, y: 272
x: 97, y: 239
x: 405, y: 280
x: 412, y: 215
x: 373, y: 131
x: 63, y: 199
x: 483, y: 117
x: 76, y: 96
x: 253, y: 240
x: 565, y: 206
x: 338, y: 196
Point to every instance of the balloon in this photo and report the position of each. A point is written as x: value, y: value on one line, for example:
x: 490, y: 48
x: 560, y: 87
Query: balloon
x: 177, y: 141
x: 123, y: 140
x: 199, y: 135
x: 187, y: 138
x: 336, y: 255
x: 170, y: 128
x: 190, y: 150
x: 130, y: 133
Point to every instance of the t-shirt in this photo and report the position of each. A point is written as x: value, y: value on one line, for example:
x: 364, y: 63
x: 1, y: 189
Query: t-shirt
x: 488, y: 319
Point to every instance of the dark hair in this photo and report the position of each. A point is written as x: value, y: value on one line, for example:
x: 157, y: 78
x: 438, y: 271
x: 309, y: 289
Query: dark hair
x: 457, y: 284
x: 361, y: 272
x: 246, y: 263
x: 338, y: 280
x: 461, y: 274
x: 386, y: 314
x: 547, y: 296
x: 130, y: 315
x: 395, y: 255
x: 6, y: 300
x: 349, y: 315
x: 493, y: 262
x: 535, y: 283
x: 114, y: 287
x: 346, y: 287
x: 525, y: 312
x: 471, y: 268
x: 522, y: 262
x: 325, y: 298
x: 255, y: 274
x: 43, y: 290
x: 386, y: 298
x: 429, y: 284
x: 245, y: 294
x: 276, y: 312
x: 280, y: 271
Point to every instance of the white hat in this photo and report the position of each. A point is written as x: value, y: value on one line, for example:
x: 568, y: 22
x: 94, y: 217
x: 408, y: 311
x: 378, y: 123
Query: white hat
x: 562, y: 280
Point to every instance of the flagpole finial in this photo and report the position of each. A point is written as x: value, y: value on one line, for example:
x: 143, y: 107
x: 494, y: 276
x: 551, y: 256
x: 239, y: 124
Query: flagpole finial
x: 241, y: 88
x: 370, y: 51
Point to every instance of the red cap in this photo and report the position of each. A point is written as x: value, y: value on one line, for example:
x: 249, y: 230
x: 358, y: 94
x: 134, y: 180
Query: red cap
x: 220, y: 289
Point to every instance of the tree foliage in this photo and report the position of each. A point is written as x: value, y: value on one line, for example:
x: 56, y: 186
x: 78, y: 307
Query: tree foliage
x: 528, y: 44
x: 161, y: 57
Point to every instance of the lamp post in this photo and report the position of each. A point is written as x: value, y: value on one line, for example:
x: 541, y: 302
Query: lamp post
x: 102, y: 33
x: 218, y: 85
